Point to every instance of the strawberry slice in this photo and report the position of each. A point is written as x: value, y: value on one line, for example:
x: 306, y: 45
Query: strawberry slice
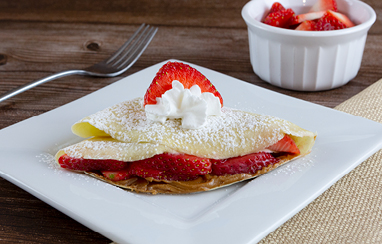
x: 281, y: 18
x: 117, y: 175
x: 329, y: 22
x: 163, y: 175
x: 341, y: 17
x: 323, y: 5
x: 249, y: 164
x: 161, y: 167
x: 286, y: 144
x: 171, y: 167
x: 90, y: 164
x: 307, y: 25
x: 276, y: 6
x: 181, y: 72
x: 297, y: 19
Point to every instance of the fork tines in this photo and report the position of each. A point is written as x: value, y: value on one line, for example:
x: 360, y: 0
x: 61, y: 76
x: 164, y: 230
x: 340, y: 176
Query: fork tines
x: 133, y: 48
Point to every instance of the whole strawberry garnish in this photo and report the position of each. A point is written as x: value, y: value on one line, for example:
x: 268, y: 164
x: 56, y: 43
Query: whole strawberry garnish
x: 82, y: 164
x: 248, y: 164
x: 282, y: 18
x: 171, y: 167
x: 286, y: 144
x: 181, y: 72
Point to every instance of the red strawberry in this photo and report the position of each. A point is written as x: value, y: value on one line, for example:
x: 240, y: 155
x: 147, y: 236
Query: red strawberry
x: 276, y: 6
x: 162, y: 167
x: 297, y: 19
x: 329, y: 22
x: 250, y: 164
x: 171, y: 167
x: 183, y: 73
x: 90, y: 164
x: 281, y: 18
x: 341, y: 17
x: 323, y: 5
x: 163, y: 175
x: 286, y: 144
x: 307, y: 25
x: 117, y: 175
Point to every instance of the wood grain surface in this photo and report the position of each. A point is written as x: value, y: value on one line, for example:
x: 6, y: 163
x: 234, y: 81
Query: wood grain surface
x: 42, y: 37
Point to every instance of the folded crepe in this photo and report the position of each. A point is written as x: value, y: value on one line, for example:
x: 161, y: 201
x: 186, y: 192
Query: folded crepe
x: 124, y: 134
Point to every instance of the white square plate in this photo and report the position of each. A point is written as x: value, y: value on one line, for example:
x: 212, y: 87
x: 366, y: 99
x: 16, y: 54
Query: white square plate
x: 242, y: 213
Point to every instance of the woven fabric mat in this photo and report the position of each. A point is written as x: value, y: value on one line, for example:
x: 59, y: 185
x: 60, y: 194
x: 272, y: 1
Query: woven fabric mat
x: 351, y: 210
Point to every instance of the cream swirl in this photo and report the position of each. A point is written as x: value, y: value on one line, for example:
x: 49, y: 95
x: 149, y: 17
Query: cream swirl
x: 190, y: 105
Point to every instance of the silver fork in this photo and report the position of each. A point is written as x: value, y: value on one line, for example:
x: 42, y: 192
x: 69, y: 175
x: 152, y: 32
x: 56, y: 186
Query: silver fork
x: 115, y: 65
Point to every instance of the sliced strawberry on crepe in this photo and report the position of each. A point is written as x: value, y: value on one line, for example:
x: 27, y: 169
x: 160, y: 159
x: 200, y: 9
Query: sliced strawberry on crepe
x: 286, y: 144
x: 161, y: 167
x: 171, y: 167
x: 181, y: 72
x: 82, y: 164
x: 280, y: 18
x: 324, y: 5
x: 117, y: 175
x: 248, y: 164
x: 159, y: 175
x: 251, y: 163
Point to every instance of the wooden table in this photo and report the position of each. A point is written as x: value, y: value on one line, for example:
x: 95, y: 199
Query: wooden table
x: 42, y: 37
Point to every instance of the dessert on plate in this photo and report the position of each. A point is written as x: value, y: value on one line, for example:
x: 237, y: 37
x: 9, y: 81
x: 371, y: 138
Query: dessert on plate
x: 179, y: 138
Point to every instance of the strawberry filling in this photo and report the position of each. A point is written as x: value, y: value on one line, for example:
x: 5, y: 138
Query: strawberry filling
x: 181, y: 167
x: 248, y: 164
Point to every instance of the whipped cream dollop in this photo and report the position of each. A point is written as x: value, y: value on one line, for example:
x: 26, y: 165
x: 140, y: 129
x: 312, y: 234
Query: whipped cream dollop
x: 190, y: 105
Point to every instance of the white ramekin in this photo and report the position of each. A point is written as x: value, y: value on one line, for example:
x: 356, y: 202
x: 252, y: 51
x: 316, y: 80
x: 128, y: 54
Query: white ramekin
x: 307, y: 60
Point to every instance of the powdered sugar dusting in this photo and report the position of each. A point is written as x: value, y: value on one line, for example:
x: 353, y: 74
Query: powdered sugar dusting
x: 295, y: 167
x: 102, y: 148
x: 49, y: 160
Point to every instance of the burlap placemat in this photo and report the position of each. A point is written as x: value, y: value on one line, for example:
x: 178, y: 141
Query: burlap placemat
x: 351, y: 210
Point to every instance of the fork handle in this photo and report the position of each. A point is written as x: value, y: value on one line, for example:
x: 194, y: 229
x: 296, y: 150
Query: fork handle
x: 32, y: 84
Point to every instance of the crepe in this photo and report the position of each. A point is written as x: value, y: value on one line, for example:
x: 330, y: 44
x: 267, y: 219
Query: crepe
x: 122, y: 132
